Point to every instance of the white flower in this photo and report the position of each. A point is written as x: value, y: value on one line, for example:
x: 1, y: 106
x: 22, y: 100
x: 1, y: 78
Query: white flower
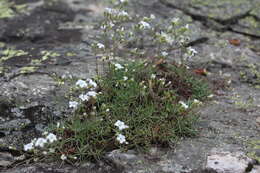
x: 153, y: 76
x: 167, y: 37
x: 58, y: 125
x: 51, y: 138
x: 72, y: 104
x: 81, y: 83
x: 118, y: 66
x: 92, y: 94
x: 116, y: 12
x: 110, y: 10
x: 63, y: 157
x: 121, y: 125
x: 192, y: 51
x: 122, y: 13
x: 92, y: 83
x: 28, y: 147
x: 84, y: 97
x: 175, y: 20
x: 184, y: 105
x: 100, y: 46
x: 144, y: 25
x: 152, y: 16
x: 107, y: 110
x: 40, y: 142
x: 122, y: 1
x: 121, y: 139
x: 111, y: 24
x: 164, y: 53
x: 125, y: 78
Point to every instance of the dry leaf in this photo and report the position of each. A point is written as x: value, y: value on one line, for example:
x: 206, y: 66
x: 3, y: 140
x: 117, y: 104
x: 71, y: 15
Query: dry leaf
x: 200, y: 72
x: 234, y: 42
x: 159, y: 62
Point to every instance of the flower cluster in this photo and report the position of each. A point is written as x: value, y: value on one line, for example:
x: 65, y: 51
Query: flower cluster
x: 88, y: 84
x: 100, y: 46
x: 73, y: 104
x: 125, y: 78
x: 121, y: 139
x: 118, y: 66
x: 81, y: 83
x: 115, y: 13
x: 88, y: 95
x: 121, y: 126
x: 175, y: 21
x: 190, y: 52
x: 40, y: 142
x: 144, y: 25
x: 164, y: 37
x: 164, y: 53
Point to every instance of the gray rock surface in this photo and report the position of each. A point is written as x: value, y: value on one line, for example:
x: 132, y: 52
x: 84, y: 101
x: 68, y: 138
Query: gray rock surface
x: 56, y: 38
x: 226, y: 162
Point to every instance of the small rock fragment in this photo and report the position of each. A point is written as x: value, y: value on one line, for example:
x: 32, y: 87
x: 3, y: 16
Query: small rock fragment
x: 6, y: 159
x: 256, y: 169
x: 226, y: 162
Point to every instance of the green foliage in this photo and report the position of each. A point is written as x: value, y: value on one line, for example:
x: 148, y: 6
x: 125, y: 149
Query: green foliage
x: 142, y: 95
x: 10, y: 53
x: 9, y: 9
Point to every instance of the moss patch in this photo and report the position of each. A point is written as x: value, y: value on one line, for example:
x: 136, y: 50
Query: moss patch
x: 9, y: 9
x: 24, y: 70
x: 255, y: 144
x: 10, y: 53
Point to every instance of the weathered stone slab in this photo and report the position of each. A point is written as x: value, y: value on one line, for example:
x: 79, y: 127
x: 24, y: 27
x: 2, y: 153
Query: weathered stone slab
x: 227, y: 162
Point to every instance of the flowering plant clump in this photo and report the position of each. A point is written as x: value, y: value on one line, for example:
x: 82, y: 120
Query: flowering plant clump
x: 138, y: 102
x: 42, y: 145
x: 135, y: 105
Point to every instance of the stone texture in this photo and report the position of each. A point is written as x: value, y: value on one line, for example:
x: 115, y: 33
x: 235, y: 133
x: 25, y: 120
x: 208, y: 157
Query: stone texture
x: 6, y: 159
x: 226, y: 162
x: 228, y: 122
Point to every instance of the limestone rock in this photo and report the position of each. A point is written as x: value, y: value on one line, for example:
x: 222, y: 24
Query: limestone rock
x: 227, y: 162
